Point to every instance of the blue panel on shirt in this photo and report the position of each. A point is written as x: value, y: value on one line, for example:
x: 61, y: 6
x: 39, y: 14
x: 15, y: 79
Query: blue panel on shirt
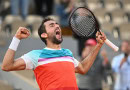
x: 55, y: 53
x: 34, y: 55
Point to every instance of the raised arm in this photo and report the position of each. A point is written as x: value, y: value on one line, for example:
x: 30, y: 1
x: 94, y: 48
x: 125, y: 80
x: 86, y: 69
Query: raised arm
x: 9, y: 64
x: 85, y: 65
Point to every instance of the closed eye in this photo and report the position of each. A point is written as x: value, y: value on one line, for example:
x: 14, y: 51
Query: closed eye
x: 52, y: 25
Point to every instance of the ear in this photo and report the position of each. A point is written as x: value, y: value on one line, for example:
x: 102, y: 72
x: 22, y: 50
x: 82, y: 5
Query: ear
x: 44, y: 35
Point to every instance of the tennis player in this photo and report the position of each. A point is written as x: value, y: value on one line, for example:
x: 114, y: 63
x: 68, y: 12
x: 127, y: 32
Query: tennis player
x: 54, y: 67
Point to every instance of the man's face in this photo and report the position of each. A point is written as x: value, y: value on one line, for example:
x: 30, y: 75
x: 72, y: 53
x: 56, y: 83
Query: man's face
x: 125, y: 47
x: 53, y: 31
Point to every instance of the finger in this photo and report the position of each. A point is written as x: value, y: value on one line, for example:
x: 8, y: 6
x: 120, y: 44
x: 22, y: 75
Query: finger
x: 28, y: 33
x: 103, y: 37
x: 97, y: 34
x: 20, y: 28
x: 24, y: 30
x: 99, y: 39
x: 102, y: 33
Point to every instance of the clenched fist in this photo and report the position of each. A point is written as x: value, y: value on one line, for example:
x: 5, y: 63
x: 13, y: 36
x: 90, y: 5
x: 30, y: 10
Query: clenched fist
x: 22, y: 33
x: 100, y: 37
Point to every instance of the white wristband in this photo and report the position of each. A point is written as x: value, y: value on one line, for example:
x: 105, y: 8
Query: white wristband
x: 14, y: 44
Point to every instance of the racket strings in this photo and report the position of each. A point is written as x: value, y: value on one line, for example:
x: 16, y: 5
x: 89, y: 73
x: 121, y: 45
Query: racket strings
x: 83, y: 22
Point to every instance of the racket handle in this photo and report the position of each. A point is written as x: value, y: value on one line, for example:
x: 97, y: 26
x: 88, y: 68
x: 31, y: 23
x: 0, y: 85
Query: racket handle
x: 110, y: 44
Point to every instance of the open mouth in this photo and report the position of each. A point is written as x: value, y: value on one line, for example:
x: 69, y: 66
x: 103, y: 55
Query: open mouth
x: 57, y: 32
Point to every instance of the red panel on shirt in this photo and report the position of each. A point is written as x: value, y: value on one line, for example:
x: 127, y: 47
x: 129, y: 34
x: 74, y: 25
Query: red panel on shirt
x: 56, y: 76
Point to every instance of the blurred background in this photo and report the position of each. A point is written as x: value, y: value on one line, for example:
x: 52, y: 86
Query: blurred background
x: 113, y: 16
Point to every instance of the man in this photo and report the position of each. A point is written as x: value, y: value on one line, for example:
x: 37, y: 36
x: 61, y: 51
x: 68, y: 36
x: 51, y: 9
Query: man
x: 92, y: 80
x: 121, y: 67
x: 63, y: 10
x: 54, y: 67
x: 20, y: 6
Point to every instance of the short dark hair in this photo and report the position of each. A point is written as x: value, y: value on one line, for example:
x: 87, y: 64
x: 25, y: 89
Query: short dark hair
x: 42, y: 28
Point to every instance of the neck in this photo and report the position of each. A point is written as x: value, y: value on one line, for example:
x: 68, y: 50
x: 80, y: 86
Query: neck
x: 53, y: 46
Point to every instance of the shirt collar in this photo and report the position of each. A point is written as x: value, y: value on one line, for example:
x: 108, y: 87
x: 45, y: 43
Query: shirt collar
x: 51, y: 48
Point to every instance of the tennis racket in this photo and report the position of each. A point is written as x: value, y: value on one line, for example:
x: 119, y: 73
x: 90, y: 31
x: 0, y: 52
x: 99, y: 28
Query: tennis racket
x: 84, y: 24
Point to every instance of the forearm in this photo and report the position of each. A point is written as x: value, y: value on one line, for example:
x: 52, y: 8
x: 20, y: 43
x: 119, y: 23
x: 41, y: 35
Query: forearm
x: 9, y: 64
x: 8, y: 59
x: 89, y: 60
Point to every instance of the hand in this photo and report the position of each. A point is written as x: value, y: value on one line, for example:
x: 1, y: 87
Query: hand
x: 22, y: 33
x: 100, y: 37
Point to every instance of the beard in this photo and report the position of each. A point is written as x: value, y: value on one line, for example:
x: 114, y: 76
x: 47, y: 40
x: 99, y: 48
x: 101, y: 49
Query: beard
x: 55, y: 40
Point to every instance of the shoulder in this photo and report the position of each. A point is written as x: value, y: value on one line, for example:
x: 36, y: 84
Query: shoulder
x: 66, y: 50
x: 120, y: 56
x: 34, y: 53
x: 117, y: 58
x: 31, y: 58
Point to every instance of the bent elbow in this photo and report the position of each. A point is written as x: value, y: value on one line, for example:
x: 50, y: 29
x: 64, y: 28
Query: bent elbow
x: 4, y: 68
x: 82, y: 72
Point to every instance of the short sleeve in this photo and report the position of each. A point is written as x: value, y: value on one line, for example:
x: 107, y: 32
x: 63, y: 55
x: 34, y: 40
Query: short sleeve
x: 76, y: 62
x: 28, y: 62
x: 31, y: 59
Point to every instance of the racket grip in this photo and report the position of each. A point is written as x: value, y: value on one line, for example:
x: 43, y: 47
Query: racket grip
x: 110, y: 44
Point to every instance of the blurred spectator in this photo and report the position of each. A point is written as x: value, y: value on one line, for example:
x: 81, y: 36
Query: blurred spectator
x: 93, y: 79
x: 20, y: 5
x: 81, y: 42
x: 63, y: 10
x: 0, y: 5
x: 44, y: 7
x: 4, y: 8
x: 121, y: 67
